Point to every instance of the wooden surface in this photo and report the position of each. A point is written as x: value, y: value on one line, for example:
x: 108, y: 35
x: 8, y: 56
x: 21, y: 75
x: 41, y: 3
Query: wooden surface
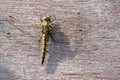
x: 88, y: 29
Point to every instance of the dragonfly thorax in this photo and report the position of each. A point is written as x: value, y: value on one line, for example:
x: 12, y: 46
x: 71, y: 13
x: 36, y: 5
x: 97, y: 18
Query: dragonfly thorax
x: 45, y: 23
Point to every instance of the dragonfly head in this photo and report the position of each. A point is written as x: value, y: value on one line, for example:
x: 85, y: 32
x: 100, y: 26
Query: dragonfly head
x: 47, y: 18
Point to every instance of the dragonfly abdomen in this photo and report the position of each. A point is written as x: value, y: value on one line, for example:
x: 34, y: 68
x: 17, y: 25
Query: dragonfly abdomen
x: 44, y: 45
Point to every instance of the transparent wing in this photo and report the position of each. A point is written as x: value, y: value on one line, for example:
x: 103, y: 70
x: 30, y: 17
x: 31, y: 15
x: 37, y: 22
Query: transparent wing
x: 26, y: 36
x: 75, y: 25
x: 60, y: 32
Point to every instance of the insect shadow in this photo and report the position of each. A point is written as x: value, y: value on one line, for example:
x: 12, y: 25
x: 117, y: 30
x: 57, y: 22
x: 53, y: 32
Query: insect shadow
x: 59, y: 50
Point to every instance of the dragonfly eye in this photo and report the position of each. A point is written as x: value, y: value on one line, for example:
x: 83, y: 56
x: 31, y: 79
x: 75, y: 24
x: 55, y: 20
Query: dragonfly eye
x: 47, y: 19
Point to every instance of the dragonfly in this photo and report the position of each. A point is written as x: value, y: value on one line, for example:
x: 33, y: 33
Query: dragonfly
x: 47, y: 32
